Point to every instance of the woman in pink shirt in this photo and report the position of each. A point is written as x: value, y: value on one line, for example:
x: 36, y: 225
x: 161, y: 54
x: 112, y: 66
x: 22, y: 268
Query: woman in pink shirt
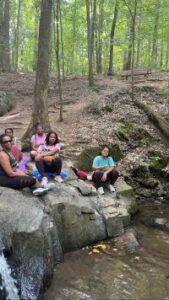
x: 47, y: 159
x: 37, y: 140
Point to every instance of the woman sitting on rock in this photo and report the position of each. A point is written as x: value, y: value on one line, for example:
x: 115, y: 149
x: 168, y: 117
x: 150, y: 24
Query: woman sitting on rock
x: 104, y: 170
x: 10, y: 176
x: 14, y: 149
x: 37, y: 140
x: 47, y: 160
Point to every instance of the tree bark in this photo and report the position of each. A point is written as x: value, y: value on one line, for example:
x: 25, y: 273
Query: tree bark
x: 99, y: 42
x: 17, y: 35
x: 90, y: 38
x: 111, y: 57
x: 40, y: 104
x: 4, y: 37
x: 155, y: 32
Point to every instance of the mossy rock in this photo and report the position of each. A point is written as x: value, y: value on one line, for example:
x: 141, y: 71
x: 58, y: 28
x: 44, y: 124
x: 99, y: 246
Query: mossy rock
x: 6, y: 103
x: 130, y: 133
x: 85, y: 159
x: 157, y: 160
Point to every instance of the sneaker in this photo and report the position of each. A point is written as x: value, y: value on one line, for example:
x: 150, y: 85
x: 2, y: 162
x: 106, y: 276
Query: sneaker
x: 100, y: 190
x: 58, y: 179
x: 40, y: 191
x: 44, y: 182
x: 111, y: 188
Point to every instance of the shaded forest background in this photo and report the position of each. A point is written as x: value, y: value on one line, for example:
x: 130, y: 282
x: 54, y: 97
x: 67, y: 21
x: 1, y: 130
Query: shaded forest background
x: 105, y: 25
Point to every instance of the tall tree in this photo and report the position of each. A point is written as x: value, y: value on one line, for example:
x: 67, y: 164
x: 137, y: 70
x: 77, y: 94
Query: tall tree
x: 155, y: 33
x: 99, y: 38
x: 4, y: 36
x: 91, y: 17
x: 40, y: 104
x: 17, y: 35
x: 111, y: 58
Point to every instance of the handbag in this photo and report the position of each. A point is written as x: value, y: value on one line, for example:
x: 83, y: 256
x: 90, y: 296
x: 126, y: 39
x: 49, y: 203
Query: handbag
x: 48, y: 159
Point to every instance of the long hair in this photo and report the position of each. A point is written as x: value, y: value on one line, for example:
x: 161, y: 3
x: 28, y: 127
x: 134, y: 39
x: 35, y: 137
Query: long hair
x: 48, y: 136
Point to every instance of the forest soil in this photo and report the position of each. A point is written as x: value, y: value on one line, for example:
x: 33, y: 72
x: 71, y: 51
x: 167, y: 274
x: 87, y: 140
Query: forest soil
x: 110, y: 102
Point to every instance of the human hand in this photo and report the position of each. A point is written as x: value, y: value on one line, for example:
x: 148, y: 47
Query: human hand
x: 104, y: 177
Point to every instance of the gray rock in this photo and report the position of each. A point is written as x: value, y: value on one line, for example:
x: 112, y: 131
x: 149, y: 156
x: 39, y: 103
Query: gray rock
x: 32, y: 236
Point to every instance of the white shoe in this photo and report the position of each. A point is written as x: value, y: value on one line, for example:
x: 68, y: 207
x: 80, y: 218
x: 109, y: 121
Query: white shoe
x: 100, y: 190
x: 111, y: 188
x: 40, y: 191
x: 44, y: 182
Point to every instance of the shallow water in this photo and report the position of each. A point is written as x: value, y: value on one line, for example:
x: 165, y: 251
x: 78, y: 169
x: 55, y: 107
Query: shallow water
x: 118, y: 275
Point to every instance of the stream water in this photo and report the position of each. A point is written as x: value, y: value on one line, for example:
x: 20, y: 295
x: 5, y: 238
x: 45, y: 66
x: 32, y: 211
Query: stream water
x: 143, y: 275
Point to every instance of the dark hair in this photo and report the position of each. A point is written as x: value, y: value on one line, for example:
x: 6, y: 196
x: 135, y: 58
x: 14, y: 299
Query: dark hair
x: 2, y: 137
x: 38, y: 125
x: 103, y: 147
x: 11, y: 129
x: 48, y: 136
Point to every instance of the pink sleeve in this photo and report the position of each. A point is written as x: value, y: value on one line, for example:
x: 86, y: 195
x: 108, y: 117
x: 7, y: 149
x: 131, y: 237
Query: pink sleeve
x: 58, y: 146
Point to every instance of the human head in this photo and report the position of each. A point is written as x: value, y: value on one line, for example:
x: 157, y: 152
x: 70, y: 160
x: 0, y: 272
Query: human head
x: 52, y: 138
x: 105, y: 151
x: 9, y: 132
x: 39, y: 129
x: 5, y: 141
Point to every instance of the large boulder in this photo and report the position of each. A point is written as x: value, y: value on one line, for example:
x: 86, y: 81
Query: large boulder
x: 6, y: 103
x: 85, y: 158
x: 30, y: 235
x: 29, y: 226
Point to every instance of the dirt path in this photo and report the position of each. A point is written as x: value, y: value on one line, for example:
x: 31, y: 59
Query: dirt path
x: 79, y: 128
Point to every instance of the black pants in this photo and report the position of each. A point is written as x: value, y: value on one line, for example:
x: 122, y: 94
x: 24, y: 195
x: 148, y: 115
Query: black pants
x: 111, y: 177
x: 18, y: 182
x: 54, y: 167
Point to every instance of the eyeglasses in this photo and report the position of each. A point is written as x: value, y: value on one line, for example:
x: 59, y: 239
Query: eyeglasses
x: 6, y: 142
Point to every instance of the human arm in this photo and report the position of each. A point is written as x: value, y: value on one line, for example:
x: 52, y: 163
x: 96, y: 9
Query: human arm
x: 5, y: 164
x: 45, y: 150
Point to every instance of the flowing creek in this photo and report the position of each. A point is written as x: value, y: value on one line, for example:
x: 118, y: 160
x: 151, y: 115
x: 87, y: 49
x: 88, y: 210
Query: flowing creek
x: 141, y: 275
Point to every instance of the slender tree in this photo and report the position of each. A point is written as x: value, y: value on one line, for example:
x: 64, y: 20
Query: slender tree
x: 91, y: 17
x: 4, y: 36
x: 40, y: 104
x: 111, y: 58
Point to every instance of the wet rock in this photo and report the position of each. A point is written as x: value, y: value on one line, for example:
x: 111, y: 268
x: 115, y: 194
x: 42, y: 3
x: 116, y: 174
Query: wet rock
x: 77, y: 218
x: 32, y: 236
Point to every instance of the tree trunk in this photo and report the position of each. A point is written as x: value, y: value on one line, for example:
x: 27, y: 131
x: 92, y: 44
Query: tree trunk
x: 40, y: 104
x: 155, y: 32
x: 57, y: 47
x: 4, y: 37
x: 17, y: 35
x: 155, y: 117
x: 99, y: 41
x: 90, y: 38
x: 61, y: 40
x: 111, y: 59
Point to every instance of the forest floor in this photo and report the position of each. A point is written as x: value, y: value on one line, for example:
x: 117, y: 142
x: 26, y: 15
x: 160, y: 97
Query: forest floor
x: 93, y: 115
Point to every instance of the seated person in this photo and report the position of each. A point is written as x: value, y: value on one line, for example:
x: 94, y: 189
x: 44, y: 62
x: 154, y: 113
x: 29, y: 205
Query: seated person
x: 37, y: 140
x: 14, y: 149
x: 10, y: 176
x: 47, y: 159
x: 104, y: 170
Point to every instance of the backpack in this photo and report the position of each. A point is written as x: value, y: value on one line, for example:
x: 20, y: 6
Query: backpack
x: 79, y: 173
